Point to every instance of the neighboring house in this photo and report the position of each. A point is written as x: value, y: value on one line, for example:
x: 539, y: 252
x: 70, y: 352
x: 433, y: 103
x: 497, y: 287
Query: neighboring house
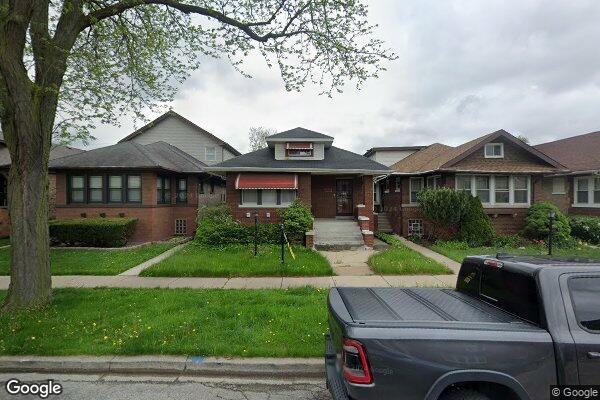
x: 576, y: 191
x: 387, y: 156
x: 156, y: 183
x: 506, y: 174
x: 301, y: 163
x: 56, y: 151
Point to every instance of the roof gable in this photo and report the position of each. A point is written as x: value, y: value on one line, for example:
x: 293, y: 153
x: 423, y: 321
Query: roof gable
x: 578, y: 153
x: 299, y: 133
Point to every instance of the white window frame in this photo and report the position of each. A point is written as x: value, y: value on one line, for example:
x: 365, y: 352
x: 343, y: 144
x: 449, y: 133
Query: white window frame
x: 511, y: 191
x: 492, y: 145
x: 437, y: 181
x: 411, y: 190
x: 262, y: 204
x: 214, y: 153
x: 590, y: 190
x: 563, y: 185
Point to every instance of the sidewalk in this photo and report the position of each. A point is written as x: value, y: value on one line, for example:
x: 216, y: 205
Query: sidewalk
x: 121, y: 281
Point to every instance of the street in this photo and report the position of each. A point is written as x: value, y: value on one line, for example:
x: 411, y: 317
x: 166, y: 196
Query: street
x: 123, y: 387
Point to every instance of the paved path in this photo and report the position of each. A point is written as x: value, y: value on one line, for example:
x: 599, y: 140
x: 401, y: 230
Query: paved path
x: 453, y: 265
x: 349, y: 262
x: 135, y: 271
x: 120, y: 281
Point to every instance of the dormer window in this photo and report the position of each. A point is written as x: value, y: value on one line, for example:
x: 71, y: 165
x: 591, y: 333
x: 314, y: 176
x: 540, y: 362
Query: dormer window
x: 494, y: 150
x: 298, y: 149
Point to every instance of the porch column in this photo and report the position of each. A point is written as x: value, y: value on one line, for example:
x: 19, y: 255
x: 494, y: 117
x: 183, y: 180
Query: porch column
x: 365, y: 209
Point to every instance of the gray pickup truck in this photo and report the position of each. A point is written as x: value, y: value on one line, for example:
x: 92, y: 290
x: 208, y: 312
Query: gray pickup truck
x: 513, y: 327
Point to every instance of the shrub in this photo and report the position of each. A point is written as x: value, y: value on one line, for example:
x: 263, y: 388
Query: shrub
x: 508, y: 241
x: 537, y: 223
x: 452, y: 244
x: 443, y: 206
x: 297, y: 219
x: 586, y: 228
x: 475, y: 226
x: 95, y: 232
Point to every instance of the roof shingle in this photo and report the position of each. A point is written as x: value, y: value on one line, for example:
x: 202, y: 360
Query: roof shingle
x: 578, y: 153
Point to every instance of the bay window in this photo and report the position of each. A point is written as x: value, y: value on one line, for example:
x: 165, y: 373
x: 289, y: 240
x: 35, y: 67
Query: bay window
x: 267, y: 197
x: 163, y: 190
x: 181, y: 190
x: 134, y: 189
x: 77, y: 189
x: 115, y: 189
x: 95, y: 188
x: 104, y: 188
x: 434, y: 182
x: 587, y: 191
x: 496, y: 190
x: 416, y: 187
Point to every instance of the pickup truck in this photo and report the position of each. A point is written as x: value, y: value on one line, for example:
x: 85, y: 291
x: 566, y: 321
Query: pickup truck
x: 511, y: 328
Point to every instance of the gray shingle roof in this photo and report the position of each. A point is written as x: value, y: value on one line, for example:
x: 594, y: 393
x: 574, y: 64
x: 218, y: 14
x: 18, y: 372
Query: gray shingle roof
x: 132, y: 155
x: 56, y: 151
x: 335, y: 159
x: 302, y: 133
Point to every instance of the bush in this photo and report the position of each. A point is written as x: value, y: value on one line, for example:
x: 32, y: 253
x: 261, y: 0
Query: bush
x: 537, y: 223
x: 586, y: 228
x: 453, y: 244
x: 508, y: 241
x: 94, y: 232
x: 297, y: 220
x: 443, y: 206
x: 475, y: 226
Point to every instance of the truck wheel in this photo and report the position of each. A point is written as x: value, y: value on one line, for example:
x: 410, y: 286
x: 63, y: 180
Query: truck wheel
x: 463, y: 394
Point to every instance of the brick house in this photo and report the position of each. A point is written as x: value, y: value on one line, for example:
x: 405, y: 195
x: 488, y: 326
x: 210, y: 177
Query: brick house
x: 506, y: 173
x: 301, y: 163
x: 577, y: 191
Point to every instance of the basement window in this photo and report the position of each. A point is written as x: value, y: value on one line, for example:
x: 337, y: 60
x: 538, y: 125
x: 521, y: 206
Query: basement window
x: 180, y: 226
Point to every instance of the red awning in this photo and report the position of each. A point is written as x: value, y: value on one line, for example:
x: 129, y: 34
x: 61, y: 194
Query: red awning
x: 299, y: 146
x: 266, y: 181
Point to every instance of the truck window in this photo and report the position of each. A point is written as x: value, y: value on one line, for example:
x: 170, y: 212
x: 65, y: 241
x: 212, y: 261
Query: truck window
x: 585, y: 294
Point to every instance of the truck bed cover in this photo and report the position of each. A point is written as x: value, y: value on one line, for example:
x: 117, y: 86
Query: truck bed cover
x: 393, y: 305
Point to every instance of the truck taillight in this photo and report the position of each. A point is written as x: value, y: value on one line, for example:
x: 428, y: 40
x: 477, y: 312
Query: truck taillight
x: 356, y: 367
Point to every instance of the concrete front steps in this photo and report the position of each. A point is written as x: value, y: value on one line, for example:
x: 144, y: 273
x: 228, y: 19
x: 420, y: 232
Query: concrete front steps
x: 383, y: 223
x: 337, y: 235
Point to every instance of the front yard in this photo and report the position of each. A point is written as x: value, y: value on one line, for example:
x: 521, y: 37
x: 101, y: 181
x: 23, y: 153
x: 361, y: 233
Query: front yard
x: 458, y: 253
x: 93, y: 262
x: 239, y: 261
x: 245, y: 323
x: 400, y: 260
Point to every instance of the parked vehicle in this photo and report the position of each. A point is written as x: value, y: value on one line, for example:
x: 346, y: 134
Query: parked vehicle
x: 512, y: 328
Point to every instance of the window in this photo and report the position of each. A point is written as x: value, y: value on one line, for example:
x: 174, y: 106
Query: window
x: 585, y: 293
x: 134, y: 188
x: 482, y: 188
x: 163, y: 190
x: 200, y: 187
x: 398, y: 182
x: 416, y: 187
x: 210, y: 153
x: 180, y: 226
x: 3, y: 193
x: 434, y: 182
x: 582, y: 187
x: 182, y: 190
x: 298, y: 149
x: 558, y: 185
x: 596, y: 190
x: 502, y: 190
x: 95, y: 189
x: 415, y: 227
x: 494, y: 150
x: 212, y: 187
x: 115, y: 189
x: 77, y: 189
x: 521, y: 189
x: 268, y: 197
x: 496, y: 190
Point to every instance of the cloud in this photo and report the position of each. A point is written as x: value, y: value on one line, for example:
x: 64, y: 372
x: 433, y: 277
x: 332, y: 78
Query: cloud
x: 465, y: 68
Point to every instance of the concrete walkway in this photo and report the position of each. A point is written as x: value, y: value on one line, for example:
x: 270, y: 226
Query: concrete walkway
x: 349, y: 262
x: 121, y: 281
x: 135, y: 271
x: 453, y: 265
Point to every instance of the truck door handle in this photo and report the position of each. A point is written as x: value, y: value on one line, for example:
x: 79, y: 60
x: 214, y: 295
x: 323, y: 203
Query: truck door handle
x: 594, y: 355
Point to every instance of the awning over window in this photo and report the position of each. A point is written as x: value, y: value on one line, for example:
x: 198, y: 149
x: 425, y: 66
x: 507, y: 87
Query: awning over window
x: 299, y: 145
x: 266, y: 181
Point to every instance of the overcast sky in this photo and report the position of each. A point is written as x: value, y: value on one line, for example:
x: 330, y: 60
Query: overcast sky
x: 465, y: 68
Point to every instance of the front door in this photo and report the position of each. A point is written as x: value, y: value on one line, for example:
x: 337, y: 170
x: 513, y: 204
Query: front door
x: 344, y: 204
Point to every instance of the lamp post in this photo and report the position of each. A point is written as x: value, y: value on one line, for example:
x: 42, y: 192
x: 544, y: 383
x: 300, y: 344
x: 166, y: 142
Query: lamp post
x: 551, y: 216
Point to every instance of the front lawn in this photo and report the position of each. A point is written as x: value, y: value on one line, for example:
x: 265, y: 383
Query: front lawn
x: 4, y: 241
x: 400, y: 260
x: 93, y: 262
x: 239, y: 260
x: 458, y: 253
x: 246, y: 323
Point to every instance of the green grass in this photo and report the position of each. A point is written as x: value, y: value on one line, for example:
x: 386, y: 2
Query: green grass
x: 93, y: 262
x: 4, y: 241
x: 458, y: 254
x: 247, y: 323
x: 400, y: 260
x: 239, y: 260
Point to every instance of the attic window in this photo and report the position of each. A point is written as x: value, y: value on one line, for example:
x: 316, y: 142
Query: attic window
x: 298, y: 149
x: 494, y: 150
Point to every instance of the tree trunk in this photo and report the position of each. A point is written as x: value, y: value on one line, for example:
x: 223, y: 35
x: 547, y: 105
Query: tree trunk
x: 30, y: 277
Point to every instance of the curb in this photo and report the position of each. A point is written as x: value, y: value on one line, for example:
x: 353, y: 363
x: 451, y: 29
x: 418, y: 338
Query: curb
x: 169, y: 365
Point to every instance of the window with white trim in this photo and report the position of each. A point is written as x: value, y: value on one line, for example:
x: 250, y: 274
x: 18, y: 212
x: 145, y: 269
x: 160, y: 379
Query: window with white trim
x: 494, y: 150
x: 587, y: 191
x: 416, y: 187
x: 415, y: 227
x: 558, y: 185
x: 268, y: 197
x: 497, y: 190
x: 434, y: 182
x: 210, y: 153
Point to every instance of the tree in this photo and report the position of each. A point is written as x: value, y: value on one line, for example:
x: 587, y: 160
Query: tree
x: 258, y: 137
x: 523, y: 139
x: 66, y: 65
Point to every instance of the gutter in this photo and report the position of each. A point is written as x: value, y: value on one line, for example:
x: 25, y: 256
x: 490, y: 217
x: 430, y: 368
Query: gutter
x: 300, y: 170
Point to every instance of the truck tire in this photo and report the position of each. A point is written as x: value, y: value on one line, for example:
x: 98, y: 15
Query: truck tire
x: 463, y: 394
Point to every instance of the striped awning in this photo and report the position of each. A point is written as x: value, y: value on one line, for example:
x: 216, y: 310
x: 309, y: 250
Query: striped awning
x: 299, y: 145
x: 266, y: 181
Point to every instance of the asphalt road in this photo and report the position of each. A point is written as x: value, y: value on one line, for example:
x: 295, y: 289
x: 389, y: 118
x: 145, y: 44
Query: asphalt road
x: 120, y: 387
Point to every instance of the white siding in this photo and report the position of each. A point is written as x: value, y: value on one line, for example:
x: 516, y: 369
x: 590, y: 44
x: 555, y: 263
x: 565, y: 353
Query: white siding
x: 389, y: 157
x: 179, y: 134
x: 318, y: 152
